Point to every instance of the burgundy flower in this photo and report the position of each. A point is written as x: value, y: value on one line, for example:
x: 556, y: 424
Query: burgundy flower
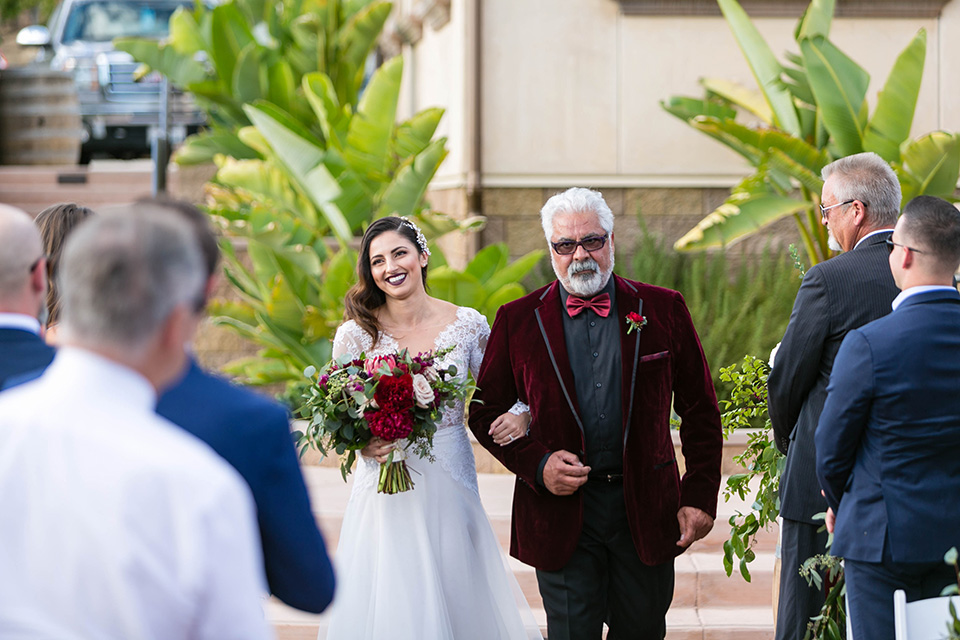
x: 390, y: 425
x: 395, y: 393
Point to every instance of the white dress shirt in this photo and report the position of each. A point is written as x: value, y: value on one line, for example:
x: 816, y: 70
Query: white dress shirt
x: 912, y: 291
x: 19, y: 321
x: 115, y: 523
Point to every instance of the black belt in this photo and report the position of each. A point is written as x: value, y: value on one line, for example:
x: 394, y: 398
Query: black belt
x: 606, y: 477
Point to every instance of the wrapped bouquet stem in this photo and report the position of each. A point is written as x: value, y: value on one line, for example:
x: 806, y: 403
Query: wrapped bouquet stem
x: 394, y: 474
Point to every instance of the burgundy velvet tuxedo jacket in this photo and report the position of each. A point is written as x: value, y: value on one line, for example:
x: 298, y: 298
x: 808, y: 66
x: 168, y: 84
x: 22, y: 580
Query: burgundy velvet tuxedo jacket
x: 526, y: 358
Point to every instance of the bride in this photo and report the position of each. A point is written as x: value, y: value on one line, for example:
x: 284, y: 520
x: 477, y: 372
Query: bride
x: 423, y: 564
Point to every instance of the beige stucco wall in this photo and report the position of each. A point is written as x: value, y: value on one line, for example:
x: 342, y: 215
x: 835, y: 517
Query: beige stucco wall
x: 571, y: 88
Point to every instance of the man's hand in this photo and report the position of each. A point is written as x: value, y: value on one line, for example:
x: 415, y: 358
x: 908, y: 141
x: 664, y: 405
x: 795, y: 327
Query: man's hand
x: 831, y: 520
x: 564, y: 473
x: 694, y: 524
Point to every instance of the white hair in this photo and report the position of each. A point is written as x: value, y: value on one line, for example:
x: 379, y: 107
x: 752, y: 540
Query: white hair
x: 576, y: 200
x: 868, y: 178
x: 124, y: 273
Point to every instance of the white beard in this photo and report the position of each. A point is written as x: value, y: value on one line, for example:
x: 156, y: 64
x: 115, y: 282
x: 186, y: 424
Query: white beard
x: 584, y: 279
x: 832, y: 242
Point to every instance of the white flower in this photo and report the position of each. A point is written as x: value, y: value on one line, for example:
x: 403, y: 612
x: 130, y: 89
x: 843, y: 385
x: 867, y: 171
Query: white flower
x: 431, y: 374
x: 422, y: 391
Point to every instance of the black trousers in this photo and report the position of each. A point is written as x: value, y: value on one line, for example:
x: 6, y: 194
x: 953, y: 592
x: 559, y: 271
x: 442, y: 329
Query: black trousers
x: 870, y: 588
x: 605, y: 581
x: 798, y: 601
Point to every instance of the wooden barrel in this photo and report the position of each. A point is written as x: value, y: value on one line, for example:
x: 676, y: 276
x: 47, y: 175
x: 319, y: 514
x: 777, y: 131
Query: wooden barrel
x: 39, y: 117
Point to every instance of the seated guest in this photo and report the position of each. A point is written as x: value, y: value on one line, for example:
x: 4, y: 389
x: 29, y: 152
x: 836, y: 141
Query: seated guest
x: 889, y: 433
x: 252, y: 433
x: 55, y: 224
x: 116, y: 523
x: 23, y: 284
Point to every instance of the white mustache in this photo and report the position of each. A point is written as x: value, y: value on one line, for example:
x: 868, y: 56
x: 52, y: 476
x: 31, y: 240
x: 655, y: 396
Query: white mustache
x: 584, y: 265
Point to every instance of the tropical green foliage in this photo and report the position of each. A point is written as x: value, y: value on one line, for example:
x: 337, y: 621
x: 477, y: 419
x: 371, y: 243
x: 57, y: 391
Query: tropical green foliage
x: 808, y: 111
x: 247, y: 52
x: 305, y: 162
x: 736, y: 309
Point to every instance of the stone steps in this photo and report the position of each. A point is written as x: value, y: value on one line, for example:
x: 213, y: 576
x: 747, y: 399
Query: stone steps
x: 707, y: 604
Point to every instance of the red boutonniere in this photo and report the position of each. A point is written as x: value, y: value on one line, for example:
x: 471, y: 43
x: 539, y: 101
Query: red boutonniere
x: 635, y: 321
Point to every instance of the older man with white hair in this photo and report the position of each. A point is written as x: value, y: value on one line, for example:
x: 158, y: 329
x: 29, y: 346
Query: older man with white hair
x: 600, y: 508
x: 23, y: 286
x: 116, y: 523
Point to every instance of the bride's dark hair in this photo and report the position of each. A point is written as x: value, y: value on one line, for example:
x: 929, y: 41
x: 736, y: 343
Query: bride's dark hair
x: 365, y: 297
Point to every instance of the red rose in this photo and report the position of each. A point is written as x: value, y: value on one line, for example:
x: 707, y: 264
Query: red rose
x: 390, y: 425
x: 395, y: 393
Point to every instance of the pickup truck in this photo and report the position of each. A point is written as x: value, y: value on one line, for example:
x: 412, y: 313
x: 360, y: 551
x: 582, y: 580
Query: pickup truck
x: 120, y: 115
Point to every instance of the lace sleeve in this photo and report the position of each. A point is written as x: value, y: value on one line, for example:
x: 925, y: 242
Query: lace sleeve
x: 350, y: 339
x: 476, y: 357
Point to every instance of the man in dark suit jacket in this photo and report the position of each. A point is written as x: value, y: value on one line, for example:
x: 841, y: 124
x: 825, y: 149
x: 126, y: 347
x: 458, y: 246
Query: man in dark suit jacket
x: 252, y: 433
x: 860, y: 203
x: 23, y: 286
x: 599, y: 506
x: 889, y: 433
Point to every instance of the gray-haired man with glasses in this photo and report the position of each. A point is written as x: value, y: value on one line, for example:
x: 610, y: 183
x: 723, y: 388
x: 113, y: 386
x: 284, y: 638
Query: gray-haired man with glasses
x: 600, y: 507
x: 23, y: 287
x: 859, y: 206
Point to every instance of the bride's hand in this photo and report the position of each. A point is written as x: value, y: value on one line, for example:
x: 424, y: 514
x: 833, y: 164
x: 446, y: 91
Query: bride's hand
x: 508, y: 427
x: 378, y: 448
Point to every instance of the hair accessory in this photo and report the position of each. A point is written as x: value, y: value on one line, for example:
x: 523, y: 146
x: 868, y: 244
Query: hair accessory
x: 421, y: 240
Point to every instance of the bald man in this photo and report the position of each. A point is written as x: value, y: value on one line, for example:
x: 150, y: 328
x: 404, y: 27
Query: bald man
x: 23, y: 285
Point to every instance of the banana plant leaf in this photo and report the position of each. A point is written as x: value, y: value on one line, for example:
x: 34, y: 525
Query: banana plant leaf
x: 503, y: 295
x: 266, y: 183
x: 304, y: 160
x: 368, y: 138
x: 204, y: 146
x: 229, y: 34
x: 186, y: 36
x: 840, y: 87
x: 405, y: 192
x: 358, y: 37
x: 816, y: 21
x: 930, y: 166
x: 250, y: 74
x: 890, y: 125
x: 738, y: 217
x: 487, y: 261
x: 182, y: 70
x: 412, y: 136
x: 741, y: 96
x: 513, y: 272
x: 764, y: 65
x: 457, y: 287
x: 753, y: 144
x: 689, y: 108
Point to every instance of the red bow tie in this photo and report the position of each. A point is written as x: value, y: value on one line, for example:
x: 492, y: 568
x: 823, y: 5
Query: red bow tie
x: 599, y: 304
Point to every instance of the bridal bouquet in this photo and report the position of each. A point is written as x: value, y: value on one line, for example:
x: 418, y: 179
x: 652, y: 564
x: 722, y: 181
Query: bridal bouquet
x: 395, y: 397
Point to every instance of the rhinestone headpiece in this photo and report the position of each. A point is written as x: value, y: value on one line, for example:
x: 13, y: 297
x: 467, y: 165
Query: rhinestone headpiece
x: 421, y: 240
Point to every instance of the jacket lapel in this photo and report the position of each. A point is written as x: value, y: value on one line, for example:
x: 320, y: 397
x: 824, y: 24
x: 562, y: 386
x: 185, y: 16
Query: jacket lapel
x: 550, y: 321
x: 628, y: 299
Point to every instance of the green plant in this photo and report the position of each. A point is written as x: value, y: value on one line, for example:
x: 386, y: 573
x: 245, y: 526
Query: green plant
x: 762, y: 461
x: 812, y: 110
x: 737, y: 309
x: 250, y: 52
x: 305, y: 162
x: 953, y: 626
x: 826, y: 571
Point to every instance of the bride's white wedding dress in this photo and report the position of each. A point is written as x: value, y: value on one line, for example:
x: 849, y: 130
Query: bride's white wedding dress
x: 425, y: 564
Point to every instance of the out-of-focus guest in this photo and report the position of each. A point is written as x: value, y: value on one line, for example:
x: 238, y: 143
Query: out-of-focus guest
x: 252, y: 433
x: 55, y: 224
x: 23, y: 284
x: 116, y: 523
x: 889, y: 432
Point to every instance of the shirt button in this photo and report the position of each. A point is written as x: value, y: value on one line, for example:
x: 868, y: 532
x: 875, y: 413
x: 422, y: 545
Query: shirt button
x: 595, y: 354
x: 602, y: 416
x: 599, y: 385
x: 593, y: 323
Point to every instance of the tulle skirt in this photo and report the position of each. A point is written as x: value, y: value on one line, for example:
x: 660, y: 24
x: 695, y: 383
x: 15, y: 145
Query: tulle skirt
x: 425, y: 564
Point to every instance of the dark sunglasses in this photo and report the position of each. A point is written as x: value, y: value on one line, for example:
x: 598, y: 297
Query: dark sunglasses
x: 891, y: 244
x: 36, y: 263
x: 568, y: 247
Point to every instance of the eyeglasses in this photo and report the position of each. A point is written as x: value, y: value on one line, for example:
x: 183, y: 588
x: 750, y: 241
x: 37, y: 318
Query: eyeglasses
x: 36, y: 263
x: 569, y: 247
x: 823, y: 209
x: 891, y: 244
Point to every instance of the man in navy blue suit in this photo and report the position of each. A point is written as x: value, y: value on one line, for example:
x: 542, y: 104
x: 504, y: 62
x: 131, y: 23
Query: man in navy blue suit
x: 23, y: 287
x: 252, y: 433
x: 888, y: 437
